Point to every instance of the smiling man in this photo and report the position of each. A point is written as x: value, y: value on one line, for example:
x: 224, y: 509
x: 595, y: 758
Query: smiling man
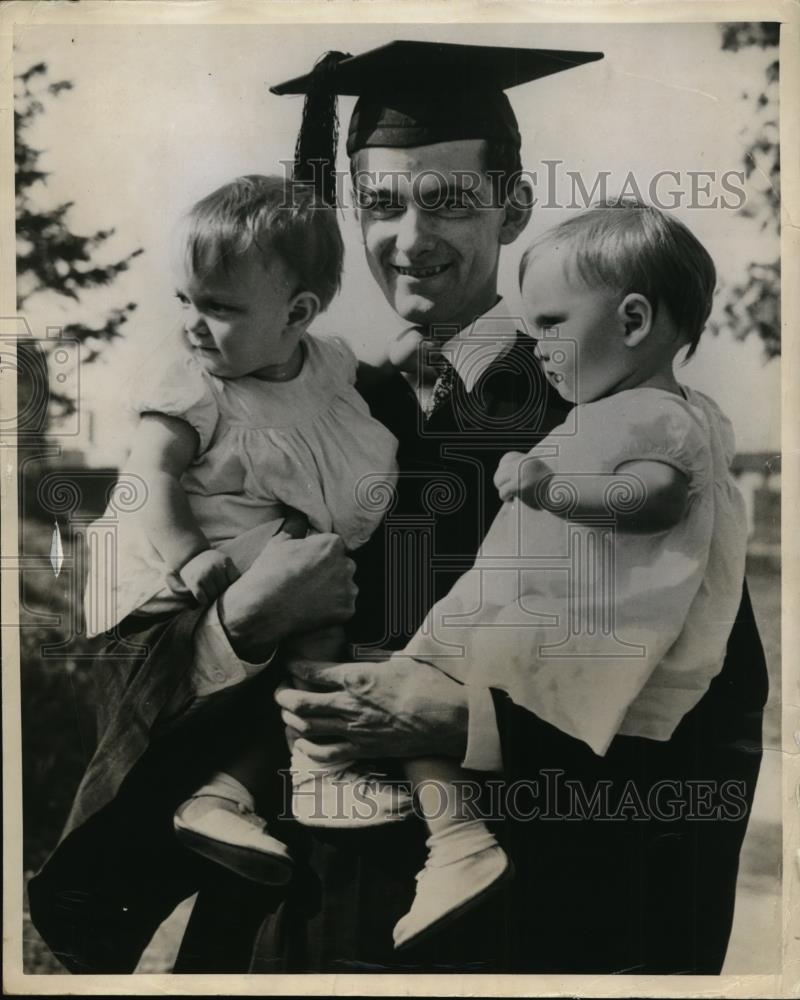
x: 436, y: 171
x: 431, y: 238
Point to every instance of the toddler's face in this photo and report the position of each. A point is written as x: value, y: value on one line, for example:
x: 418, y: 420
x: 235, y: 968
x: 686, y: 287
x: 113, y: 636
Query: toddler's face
x: 579, y: 332
x: 235, y: 323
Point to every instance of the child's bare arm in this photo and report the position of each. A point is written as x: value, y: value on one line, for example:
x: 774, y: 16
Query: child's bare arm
x: 655, y: 494
x: 162, y: 451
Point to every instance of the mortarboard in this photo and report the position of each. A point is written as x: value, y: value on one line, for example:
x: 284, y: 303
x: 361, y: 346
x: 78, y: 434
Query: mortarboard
x: 415, y: 94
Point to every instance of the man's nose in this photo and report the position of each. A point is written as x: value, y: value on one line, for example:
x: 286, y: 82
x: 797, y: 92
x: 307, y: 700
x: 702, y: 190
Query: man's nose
x: 414, y: 234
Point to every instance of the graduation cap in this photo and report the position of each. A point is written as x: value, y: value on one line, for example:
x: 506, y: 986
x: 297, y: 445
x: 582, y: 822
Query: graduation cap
x: 414, y: 94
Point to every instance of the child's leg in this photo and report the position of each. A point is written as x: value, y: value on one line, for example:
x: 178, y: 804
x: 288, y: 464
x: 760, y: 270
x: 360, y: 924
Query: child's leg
x: 250, y: 767
x: 220, y: 820
x: 464, y: 859
x: 321, y: 644
x: 345, y: 794
x: 436, y: 782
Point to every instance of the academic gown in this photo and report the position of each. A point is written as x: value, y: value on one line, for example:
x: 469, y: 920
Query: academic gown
x: 634, y: 886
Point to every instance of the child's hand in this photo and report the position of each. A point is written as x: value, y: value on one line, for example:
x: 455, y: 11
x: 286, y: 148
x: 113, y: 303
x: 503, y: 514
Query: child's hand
x: 407, y: 351
x: 519, y: 476
x: 208, y: 574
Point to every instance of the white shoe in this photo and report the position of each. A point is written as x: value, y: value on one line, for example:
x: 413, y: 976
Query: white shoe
x: 346, y: 797
x: 446, y: 892
x: 229, y: 832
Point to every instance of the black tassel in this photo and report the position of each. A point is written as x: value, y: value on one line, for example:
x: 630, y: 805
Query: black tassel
x: 315, y: 152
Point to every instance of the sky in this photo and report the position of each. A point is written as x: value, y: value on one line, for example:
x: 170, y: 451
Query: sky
x: 161, y: 115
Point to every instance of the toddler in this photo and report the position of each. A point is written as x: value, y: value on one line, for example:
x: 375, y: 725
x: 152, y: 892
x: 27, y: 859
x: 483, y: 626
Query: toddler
x: 253, y: 417
x: 602, y: 596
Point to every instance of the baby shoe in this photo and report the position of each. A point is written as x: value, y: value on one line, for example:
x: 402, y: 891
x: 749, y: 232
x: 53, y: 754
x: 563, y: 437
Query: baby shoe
x: 445, y: 892
x: 229, y: 832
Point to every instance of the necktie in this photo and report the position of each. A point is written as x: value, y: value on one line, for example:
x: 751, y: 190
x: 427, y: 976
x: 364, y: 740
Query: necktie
x: 442, y: 387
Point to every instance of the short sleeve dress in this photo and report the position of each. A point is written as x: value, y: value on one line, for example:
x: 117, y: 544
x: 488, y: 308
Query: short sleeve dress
x: 596, y: 630
x: 309, y: 443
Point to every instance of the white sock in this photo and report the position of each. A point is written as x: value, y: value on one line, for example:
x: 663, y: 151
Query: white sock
x: 227, y: 787
x: 460, y: 840
x: 305, y: 769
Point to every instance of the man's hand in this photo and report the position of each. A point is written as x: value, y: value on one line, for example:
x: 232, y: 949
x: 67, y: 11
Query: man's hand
x: 295, y: 585
x: 520, y: 476
x: 400, y: 708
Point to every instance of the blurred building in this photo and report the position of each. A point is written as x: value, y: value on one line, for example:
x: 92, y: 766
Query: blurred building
x: 758, y: 475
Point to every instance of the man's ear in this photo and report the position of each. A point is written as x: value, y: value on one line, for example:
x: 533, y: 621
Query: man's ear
x: 518, y: 208
x: 303, y: 310
x: 636, y: 315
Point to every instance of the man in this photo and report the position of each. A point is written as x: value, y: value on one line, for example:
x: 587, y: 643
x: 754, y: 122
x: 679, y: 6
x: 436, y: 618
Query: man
x: 587, y: 896
x: 649, y: 894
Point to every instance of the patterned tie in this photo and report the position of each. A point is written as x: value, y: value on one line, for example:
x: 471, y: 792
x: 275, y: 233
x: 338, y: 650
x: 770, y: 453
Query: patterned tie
x: 442, y: 387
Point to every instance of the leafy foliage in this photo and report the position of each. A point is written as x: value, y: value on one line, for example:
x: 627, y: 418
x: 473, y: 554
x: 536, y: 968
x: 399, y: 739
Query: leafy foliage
x: 50, y: 256
x: 753, y: 306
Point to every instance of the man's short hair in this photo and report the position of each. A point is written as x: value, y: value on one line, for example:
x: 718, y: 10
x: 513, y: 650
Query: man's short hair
x: 274, y: 216
x: 503, y: 164
x: 629, y: 246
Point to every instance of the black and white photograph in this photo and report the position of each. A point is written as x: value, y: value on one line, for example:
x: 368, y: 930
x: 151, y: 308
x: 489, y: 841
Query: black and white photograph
x: 392, y: 519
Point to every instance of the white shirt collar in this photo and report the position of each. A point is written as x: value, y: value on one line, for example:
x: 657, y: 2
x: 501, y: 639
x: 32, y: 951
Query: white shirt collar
x: 472, y: 350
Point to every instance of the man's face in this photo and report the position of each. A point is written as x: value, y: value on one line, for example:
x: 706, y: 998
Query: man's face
x: 431, y: 233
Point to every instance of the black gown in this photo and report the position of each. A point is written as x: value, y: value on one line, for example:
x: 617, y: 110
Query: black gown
x: 630, y: 865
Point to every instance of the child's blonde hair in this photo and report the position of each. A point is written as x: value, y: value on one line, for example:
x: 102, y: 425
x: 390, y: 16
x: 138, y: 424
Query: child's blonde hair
x: 628, y: 246
x: 274, y: 215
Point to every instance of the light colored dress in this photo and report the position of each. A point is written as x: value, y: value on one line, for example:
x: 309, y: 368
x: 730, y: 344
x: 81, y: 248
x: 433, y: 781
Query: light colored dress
x: 309, y: 443
x: 595, y: 630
